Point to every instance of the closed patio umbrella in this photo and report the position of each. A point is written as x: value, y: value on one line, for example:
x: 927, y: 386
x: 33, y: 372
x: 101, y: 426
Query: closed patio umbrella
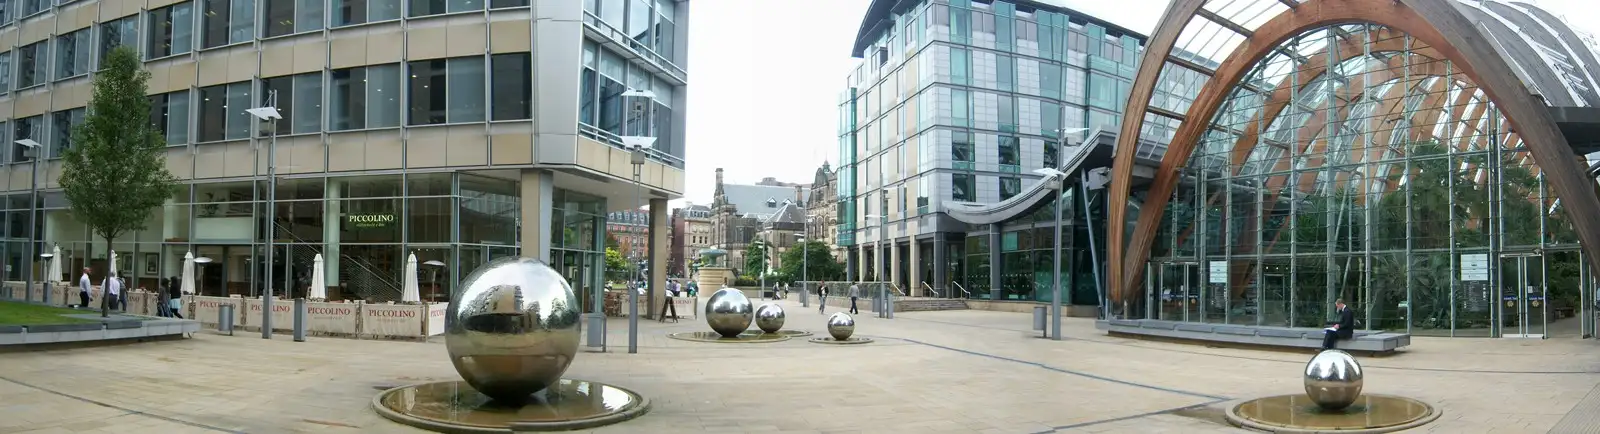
x: 187, y: 286
x: 53, y: 271
x: 319, y: 287
x: 411, y: 293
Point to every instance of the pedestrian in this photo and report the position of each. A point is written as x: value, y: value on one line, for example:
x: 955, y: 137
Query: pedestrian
x: 83, y: 289
x: 175, y: 297
x: 113, y: 287
x: 855, y: 293
x: 1344, y: 329
x: 822, y: 295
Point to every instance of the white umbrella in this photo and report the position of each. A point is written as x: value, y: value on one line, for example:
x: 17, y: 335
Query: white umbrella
x: 112, y: 268
x: 319, y: 288
x: 188, y: 273
x: 411, y: 293
x: 54, y: 269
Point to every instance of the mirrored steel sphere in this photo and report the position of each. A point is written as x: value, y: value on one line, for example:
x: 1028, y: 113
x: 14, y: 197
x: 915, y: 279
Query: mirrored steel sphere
x: 1333, y: 379
x: 512, y: 330
x: 769, y: 317
x: 841, y: 326
x: 729, y: 312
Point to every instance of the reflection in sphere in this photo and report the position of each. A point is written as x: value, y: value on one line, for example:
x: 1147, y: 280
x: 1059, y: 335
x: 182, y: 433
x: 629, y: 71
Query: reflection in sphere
x: 1333, y: 379
x: 512, y: 330
x: 841, y: 326
x: 769, y: 317
x: 729, y: 312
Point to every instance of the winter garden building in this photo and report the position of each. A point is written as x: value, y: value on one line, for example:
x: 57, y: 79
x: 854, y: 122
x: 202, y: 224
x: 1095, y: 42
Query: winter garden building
x: 460, y: 131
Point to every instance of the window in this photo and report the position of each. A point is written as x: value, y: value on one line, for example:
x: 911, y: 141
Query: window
x: 1050, y: 80
x: 30, y: 7
x: 1008, y: 151
x: 961, y: 146
x: 26, y: 128
x: 5, y: 12
x: 963, y: 188
x: 118, y: 33
x: 169, y: 115
x: 447, y: 91
x: 72, y: 54
x: 61, y: 124
x: 31, y: 66
x: 171, y: 31
x: 286, y: 17
x: 1006, y: 71
x: 352, y: 12
x: 222, y: 112
x: 1051, y: 154
x: 365, y: 97
x: 435, y: 7
x: 1010, y: 187
x: 227, y: 22
x: 513, y: 86
x: 586, y: 94
x: 493, y: 4
x: 299, y: 102
x: 1103, y: 92
x: 960, y: 66
x: 960, y: 108
x: 5, y: 72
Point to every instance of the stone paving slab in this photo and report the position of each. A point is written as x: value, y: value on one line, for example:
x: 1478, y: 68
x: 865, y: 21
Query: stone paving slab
x: 926, y: 372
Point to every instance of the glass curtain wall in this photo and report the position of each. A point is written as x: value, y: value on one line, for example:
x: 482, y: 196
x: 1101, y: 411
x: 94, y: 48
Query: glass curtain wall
x: 1382, y: 176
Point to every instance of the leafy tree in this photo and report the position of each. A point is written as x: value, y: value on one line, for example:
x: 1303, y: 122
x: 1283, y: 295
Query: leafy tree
x: 755, y: 258
x: 817, y: 260
x: 615, y: 264
x: 612, y: 243
x: 116, y: 171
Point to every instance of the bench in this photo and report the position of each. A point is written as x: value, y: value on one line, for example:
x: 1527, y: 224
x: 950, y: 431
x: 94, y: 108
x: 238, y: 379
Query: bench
x: 1371, y: 341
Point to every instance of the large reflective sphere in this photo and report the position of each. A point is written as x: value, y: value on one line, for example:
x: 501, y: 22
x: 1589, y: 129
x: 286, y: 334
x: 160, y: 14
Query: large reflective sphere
x: 729, y: 312
x: 1333, y: 379
x: 769, y: 317
x: 841, y: 326
x: 513, y: 328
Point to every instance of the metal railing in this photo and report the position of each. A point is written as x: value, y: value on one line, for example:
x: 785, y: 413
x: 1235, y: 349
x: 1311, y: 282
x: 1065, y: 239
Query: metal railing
x: 930, y: 290
x: 615, y: 141
x: 897, y: 290
x: 621, y: 38
x: 963, y: 290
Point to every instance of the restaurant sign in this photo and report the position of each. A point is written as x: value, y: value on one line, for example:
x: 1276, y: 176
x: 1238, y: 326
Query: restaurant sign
x: 369, y: 220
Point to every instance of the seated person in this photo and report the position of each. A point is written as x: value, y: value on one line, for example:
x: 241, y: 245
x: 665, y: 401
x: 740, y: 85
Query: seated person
x: 1344, y: 329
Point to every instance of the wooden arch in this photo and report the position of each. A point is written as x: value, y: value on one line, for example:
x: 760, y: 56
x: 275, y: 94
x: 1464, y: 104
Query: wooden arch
x: 1434, y: 22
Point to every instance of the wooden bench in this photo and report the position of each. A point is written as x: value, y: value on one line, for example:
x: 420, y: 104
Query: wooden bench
x: 1370, y: 341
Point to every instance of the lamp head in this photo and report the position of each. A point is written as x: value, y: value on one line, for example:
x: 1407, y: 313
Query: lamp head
x: 265, y: 113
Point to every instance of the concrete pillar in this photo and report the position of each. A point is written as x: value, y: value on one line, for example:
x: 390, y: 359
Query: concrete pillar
x: 941, y: 265
x: 852, y: 260
x: 915, y: 280
x: 659, y: 247
x: 861, y: 263
x: 996, y: 263
x: 537, y: 196
x: 894, y: 262
x: 332, y: 222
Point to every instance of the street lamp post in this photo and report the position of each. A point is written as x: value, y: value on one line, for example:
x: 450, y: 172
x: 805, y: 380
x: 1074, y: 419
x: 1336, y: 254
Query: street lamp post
x: 270, y: 114
x: 200, y: 275
x: 637, y: 145
x: 31, y: 150
x: 1059, y: 181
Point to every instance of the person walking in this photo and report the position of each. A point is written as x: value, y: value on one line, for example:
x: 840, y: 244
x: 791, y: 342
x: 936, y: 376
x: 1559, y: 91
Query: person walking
x: 174, y: 297
x: 83, y: 289
x: 822, y: 296
x: 1344, y: 329
x: 855, y: 293
x: 114, y: 291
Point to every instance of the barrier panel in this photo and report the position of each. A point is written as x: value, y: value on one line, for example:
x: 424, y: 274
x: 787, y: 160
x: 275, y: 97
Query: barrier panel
x: 435, y: 320
x: 333, y: 319
x: 205, y: 309
x: 392, y: 320
x: 282, y: 313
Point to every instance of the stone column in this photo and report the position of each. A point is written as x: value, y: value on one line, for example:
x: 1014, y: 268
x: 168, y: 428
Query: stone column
x: 894, y: 260
x: 852, y: 260
x: 658, y: 249
x: 915, y: 280
x: 537, y: 193
x: 941, y: 265
x: 996, y: 263
x: 861, y: 262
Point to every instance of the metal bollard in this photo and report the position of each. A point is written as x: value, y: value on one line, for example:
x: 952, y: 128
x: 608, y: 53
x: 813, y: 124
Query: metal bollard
x: 1039, y: 315
x: 225, y: 319
x: 596, y: 322
x: 299, y: 320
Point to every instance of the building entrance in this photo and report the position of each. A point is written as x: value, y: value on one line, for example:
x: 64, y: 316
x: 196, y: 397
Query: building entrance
x: 1522, y: 306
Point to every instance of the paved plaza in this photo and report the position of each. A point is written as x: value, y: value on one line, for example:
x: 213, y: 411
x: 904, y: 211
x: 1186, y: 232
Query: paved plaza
x: 928, y: 372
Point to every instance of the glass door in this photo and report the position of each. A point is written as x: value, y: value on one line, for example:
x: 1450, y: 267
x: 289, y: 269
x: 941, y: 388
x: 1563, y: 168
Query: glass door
x: 1522, y: 295
x: 1178, y: 287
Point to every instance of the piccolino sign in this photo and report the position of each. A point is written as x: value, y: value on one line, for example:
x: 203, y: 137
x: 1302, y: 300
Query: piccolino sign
x: 369, y: 220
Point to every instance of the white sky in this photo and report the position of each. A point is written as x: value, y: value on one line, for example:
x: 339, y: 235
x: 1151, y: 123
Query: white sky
x: 765, y: 78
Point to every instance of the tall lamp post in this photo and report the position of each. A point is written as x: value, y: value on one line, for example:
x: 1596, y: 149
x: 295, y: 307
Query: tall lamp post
x: 640, y: 109
x: 1058, y: 184
x: 200, y: 281
x: 270, y: 114
x: 31, y: 149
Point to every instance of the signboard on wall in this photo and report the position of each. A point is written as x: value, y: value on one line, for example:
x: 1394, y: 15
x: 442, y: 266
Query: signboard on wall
x: 1219, y: 272
x: 367, y: 221
x: 1475, y: 267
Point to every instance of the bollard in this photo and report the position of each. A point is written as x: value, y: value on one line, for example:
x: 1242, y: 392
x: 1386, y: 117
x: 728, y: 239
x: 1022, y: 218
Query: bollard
x: 596, y: 322
x: 225, y: 319
x: 888, y: 304
x: 299, y: 320
x: 1039, y: 315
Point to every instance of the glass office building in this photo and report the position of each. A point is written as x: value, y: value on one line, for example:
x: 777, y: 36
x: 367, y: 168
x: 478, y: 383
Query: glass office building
x: 409, y: 127
x: 955, y: 104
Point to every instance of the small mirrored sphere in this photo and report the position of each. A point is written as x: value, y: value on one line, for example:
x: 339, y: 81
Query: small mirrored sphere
x: 512, y: 330
x: 769, y: 317
x: 729, y: 312
x: 841, y: 326
x: 1333, y: 379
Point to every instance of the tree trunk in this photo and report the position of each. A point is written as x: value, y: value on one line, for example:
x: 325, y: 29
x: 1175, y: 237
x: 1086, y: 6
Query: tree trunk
x: 105, y: 288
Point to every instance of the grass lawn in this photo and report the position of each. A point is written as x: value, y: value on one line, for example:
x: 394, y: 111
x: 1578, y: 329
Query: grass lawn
x: 32, y: 314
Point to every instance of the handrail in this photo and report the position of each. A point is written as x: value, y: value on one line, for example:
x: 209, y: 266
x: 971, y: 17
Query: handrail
x: 963, y: 290
x: 897, y: 290
x: 930, y: 289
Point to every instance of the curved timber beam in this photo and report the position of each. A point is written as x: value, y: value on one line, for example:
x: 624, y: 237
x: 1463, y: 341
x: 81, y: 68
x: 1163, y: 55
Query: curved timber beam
x: 1434, y: 22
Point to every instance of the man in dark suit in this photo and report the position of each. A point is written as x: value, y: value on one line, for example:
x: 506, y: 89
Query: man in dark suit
x: 1344, y: 329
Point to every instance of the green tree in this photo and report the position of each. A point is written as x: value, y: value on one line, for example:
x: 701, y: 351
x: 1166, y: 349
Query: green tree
x: 755, y: 258
x: 817, y: 260
x: 612, y: 243
x: 615, y: 264
x: 116, y: 171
